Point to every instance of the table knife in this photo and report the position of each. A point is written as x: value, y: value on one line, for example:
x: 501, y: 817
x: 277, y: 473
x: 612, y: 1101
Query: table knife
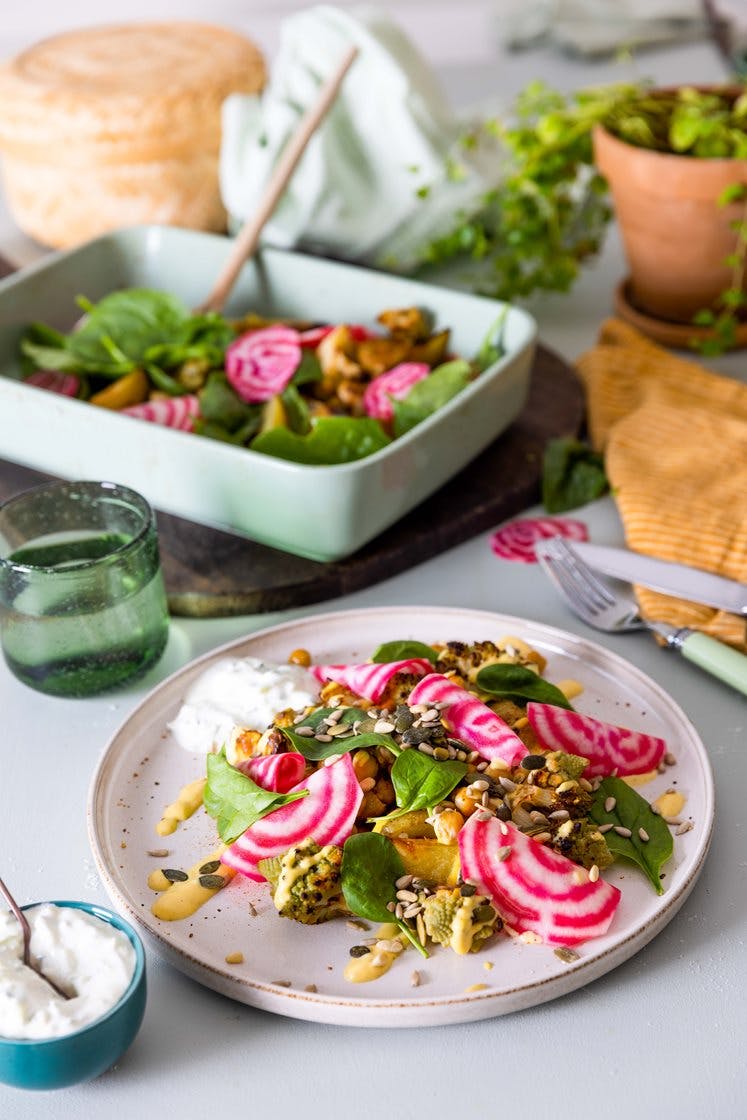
x: 692, y: 584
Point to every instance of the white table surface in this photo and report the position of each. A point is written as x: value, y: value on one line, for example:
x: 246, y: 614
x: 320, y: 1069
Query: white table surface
x: 662, y: 1036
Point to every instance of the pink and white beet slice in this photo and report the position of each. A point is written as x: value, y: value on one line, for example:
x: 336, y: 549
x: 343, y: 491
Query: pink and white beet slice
x: 261, y: 363
x: 369, y: 680
x: 610, y: 749
x: 278, y: 772
x: 170, y: 412
x: 469, y: 719
x: 327, y: 815
x: 534, y: 889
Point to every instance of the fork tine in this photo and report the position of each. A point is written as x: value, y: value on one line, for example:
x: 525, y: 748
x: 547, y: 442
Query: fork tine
x: 590, y: 586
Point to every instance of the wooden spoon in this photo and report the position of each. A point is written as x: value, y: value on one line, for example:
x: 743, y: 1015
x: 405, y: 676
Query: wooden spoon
x: 248, y: 237
x: 26, y: 931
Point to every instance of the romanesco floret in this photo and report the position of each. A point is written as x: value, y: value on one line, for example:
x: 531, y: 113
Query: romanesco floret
x: 307, y: 884
x: 461, y: 921
x: 582, y: 842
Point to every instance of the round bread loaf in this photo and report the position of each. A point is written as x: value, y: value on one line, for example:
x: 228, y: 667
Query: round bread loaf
x: 120, y: 125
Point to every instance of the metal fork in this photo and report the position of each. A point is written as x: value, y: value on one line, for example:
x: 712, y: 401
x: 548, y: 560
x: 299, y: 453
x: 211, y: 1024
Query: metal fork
x: 595, y: 601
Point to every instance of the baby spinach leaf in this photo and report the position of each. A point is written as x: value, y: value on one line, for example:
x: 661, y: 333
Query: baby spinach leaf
x: 420, y: 782
x: 308, y: 369
x: 492, y: 347
x: 119, y: 330
x: 297, y: 410
x: 315, y: 751
x: 332, y: 440
x: 235, y: 801
x: 45, y: 348
x: 371, y: 866
x: 519, y: 684
x: 430, y: 394
x: 220, y: 404
x: 403, y: 650
x: 633, y: 812
x: 572, y: 475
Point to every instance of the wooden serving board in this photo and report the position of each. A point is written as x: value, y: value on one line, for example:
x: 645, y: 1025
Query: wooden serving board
x: 210, y: 573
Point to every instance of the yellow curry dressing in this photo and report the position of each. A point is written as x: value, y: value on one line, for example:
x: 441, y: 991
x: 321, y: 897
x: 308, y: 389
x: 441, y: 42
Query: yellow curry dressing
x: 187, y: 803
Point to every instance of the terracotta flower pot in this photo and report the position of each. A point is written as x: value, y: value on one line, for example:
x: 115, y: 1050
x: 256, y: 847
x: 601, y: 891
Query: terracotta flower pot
x: 675, y: 234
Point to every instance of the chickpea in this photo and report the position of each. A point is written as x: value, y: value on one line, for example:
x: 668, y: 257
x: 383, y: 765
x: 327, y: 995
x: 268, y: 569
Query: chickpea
x: 464, y: 803
x: 446, y: 826
x: 300, y: 657
x: 385, y: 790
x: 365, y: 765
x: 371, y: 806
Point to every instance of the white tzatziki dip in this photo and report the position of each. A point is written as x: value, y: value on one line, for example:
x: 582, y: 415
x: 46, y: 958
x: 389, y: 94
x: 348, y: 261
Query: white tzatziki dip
x: 239, y: 691
x: 84, y: 955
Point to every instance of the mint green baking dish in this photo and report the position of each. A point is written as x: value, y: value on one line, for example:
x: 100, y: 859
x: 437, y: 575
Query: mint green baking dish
x: 325, y: 513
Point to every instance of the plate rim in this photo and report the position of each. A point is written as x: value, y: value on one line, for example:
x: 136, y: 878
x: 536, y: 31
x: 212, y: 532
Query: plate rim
x: 341, y: 1010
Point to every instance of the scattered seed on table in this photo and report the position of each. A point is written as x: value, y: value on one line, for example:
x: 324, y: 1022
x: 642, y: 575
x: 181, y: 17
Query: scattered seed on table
x: 669, y: 759
x: 310, y: 988
x: 356, y: 923
x: 359, y: 950
x: 567, y: 956
x: 234, y: 958
x: 414, y: 979
x: 684, y: 827
x: 159, y: 853
x: 281, y: 983
x: 609, y: 804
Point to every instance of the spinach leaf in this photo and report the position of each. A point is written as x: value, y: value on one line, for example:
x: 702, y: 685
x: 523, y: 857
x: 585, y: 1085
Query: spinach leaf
x: 296, y: 410
x: 430, y: 394
x: 403, y: 650
x: 420, y: 781
x: 45, y: 348
x: 315, y: 751
x: 492, y: 347
x: 308, y: 369
x: 121, y: 328
x: 517, y: 683
x: 221, y: 405
x: 371, y: 866
x: 572, y: 475
x: 235, y: 801
x: 332, y: 439
x: 633, y: 812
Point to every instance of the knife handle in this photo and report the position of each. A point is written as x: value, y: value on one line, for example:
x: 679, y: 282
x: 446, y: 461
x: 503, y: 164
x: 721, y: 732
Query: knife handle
x: 715, y: 657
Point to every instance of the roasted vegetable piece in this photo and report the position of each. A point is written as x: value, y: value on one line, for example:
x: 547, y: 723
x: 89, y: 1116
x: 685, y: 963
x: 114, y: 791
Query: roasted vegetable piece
x: 406, y: 322
x: 427, y: 859
x: 460, y: 921
x: 468, y: 658
x: 306, y: 881
x: 582, y: 842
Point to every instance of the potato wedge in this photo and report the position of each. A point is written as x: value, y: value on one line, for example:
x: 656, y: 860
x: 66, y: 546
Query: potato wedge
x: 410, y: 825
x: 427, y: 859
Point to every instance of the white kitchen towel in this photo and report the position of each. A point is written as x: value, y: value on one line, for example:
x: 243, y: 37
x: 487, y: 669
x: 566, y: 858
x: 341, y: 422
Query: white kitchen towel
x: 385, y: 172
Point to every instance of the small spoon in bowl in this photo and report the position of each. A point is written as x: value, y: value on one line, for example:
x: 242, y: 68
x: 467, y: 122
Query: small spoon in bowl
x: 26, y: 932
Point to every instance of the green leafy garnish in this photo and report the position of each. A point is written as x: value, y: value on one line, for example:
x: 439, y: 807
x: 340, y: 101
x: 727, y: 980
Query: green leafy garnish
x: 572, y: 475
x: 315, y: 750
x: 633, y: 812
x: 221, y: 405
x: 308, y: 369
x: 404, y: 650
x: 371, y: 866
x: 517, y: 683
x: 296, y: 410
x: 332, y: 440
x: 235, y: 801
x: 492, y: 348
x: 420, y: 782
x: 430, y: 394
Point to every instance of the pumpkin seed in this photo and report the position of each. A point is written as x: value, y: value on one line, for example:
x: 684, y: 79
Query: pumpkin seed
x: 533, y: 762
x: 209, y: 867
x: 212, y: 882
x: 174, y: 875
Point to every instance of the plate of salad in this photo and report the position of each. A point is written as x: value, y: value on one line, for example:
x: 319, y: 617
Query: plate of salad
x: 402, y: 816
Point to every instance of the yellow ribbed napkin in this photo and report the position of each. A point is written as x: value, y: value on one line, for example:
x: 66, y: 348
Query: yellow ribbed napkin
x: 674, y: 438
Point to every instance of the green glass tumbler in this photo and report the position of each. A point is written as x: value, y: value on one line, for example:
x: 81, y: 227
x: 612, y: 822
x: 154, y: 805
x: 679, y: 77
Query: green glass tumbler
x: 82, y: 600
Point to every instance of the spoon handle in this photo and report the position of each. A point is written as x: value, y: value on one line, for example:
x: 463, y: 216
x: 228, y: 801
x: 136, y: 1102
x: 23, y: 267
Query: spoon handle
x: 248, y: 238
x: 26, y: 931
x: 21, y: 919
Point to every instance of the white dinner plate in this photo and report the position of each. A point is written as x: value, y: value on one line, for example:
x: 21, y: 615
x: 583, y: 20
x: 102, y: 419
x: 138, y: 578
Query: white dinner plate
x: 142, y: 770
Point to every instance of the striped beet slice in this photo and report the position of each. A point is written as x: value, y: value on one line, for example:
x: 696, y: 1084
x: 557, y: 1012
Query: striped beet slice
x: 469, y: 719
x: 327, y: 815
x: 396, y: 383
x: 278, y: 772
x: 369, y: 680
x: 171, y: 412
x: 609, y: 749
x: 535, y: 889
x: 516, y: 539
x: 67, y: 384
x: 261, y: 363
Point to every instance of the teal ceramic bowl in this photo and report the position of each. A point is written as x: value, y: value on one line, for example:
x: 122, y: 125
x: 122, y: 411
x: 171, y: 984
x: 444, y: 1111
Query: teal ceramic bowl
x: 55, y: 1063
